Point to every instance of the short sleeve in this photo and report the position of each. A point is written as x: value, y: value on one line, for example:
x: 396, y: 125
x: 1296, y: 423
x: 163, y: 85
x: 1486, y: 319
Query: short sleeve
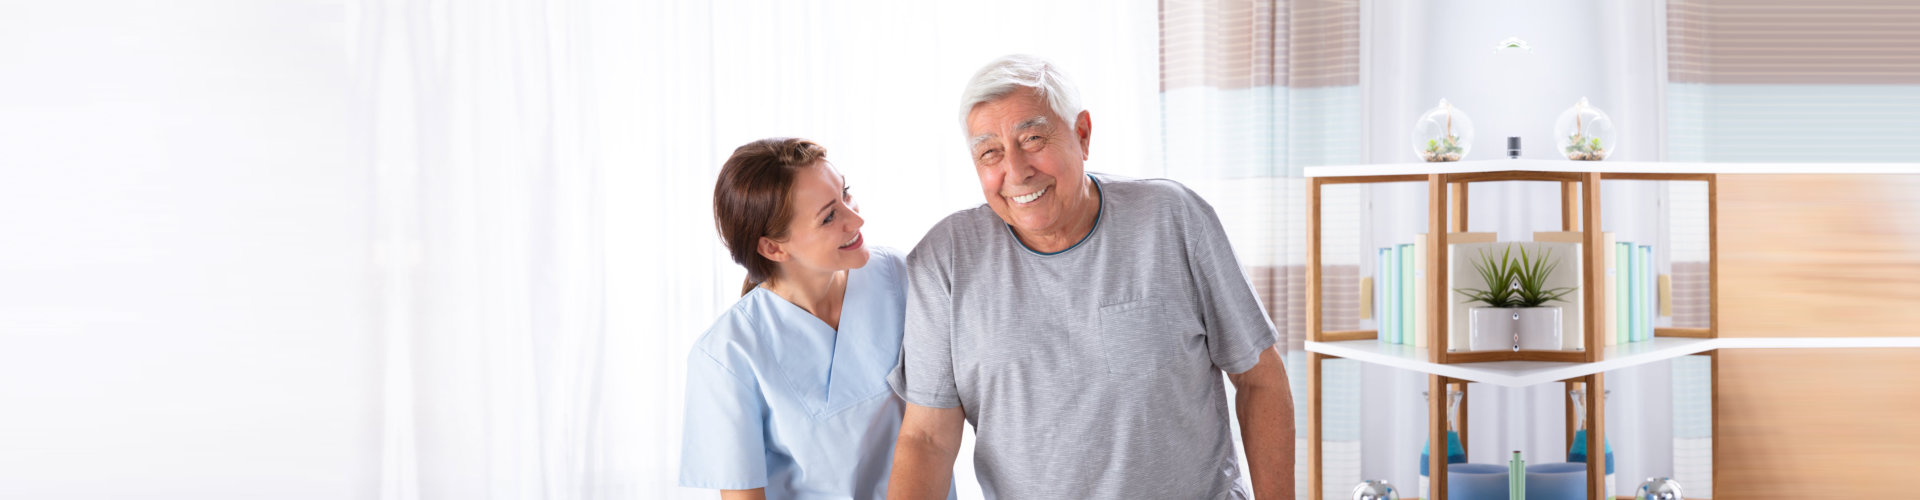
x: 723, y: 445
x: 924, y: 375
x: 1238, y: 328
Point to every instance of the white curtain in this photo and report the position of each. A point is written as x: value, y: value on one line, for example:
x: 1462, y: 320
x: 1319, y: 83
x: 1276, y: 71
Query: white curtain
x: 544, y: 172
x: 487, y: 246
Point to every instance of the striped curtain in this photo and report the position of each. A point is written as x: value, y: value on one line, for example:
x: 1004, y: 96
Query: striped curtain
x: 1251, y: 93
x: 1791, y: 81
x: 1782, y: 81
x: 1773, y: 81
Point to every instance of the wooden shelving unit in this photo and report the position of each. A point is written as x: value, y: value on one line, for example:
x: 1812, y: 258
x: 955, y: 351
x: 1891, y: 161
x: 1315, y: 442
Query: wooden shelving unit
x: 1759, y: 322
x: 1446, y: 188
x: 1580, y: 206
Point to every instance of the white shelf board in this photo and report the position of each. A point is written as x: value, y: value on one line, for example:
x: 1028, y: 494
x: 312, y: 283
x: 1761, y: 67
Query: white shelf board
x: 1628, y: 167
x: 1526, y: 373
x: 1818, y: 343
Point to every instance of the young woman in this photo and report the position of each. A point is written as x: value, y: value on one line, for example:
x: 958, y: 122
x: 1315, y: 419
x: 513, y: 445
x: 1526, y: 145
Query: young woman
x: 787, y: 394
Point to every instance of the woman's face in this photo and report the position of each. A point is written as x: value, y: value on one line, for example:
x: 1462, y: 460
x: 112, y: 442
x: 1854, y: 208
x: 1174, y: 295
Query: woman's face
x: 824, y: 235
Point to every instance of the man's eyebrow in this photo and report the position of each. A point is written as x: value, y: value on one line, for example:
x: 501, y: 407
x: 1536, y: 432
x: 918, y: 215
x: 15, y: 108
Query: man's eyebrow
x: 975, y: 142
x: 1038, y: 121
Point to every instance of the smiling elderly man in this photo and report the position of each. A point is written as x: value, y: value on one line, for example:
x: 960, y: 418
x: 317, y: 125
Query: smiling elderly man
x: 1081, y: 323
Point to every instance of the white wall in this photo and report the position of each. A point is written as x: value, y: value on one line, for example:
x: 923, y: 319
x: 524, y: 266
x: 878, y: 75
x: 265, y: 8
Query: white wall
x: 183, y: 257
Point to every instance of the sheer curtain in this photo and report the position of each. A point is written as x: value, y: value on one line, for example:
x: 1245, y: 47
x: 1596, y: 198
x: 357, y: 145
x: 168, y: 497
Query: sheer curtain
x: 1253, y: 92
x: 543, y: 169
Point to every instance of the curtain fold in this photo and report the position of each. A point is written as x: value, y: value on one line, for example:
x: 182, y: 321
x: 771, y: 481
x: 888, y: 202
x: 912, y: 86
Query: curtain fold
x: 487, y: 247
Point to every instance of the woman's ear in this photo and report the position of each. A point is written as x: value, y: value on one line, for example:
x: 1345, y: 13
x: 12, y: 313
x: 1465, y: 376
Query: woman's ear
x: 772, y: 250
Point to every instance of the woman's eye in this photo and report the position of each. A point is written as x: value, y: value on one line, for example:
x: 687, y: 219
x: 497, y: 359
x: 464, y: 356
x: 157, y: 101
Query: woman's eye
x: 846, y: 192
x: 830, y: 214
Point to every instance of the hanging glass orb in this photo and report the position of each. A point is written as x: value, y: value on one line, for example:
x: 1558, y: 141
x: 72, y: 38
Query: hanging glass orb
x: 1375, y: 489
x: 1442, y: 134
x: 1659, y: 488
x: 1584, y: 133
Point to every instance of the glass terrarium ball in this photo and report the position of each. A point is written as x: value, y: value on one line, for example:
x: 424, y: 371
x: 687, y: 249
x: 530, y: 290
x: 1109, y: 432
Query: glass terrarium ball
x: 1443, y: 133
x: 1583, y: 132
x: 1375, y: 489
x: 1659, y: 488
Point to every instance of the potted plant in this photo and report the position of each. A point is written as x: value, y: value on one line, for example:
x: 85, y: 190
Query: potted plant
x: 1514, y: 316
x: 1539, y: 324
x: 1490, y: 326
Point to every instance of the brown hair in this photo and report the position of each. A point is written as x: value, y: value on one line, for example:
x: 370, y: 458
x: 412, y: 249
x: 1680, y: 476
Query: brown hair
x: 750, y: 199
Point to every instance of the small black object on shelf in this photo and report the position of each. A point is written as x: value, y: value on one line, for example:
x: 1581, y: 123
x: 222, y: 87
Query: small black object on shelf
x: 1513, y: 147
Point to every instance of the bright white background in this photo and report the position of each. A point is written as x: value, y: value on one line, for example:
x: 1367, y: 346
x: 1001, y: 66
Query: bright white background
x: 436, y: 249
x: 226, y: 227
x: 184, y: 274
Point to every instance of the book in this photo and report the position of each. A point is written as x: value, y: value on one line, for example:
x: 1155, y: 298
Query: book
x: 1366, y: 297
x: 1610, y: 318
x: 1637, y: 292
x: 1649, y: 280
x: 1387, y: 293
x: 1405, y: 335
x: 1420, y: 295
x: 1624, y: 293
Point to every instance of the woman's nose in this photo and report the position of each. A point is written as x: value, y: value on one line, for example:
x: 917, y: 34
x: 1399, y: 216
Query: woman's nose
x: 854, y: 218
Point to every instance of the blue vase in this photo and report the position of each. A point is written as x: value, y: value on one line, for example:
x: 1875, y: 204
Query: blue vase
x: 1578, y: 454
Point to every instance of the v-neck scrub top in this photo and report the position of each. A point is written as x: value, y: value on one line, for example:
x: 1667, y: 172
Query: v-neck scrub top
x: 777, y: 399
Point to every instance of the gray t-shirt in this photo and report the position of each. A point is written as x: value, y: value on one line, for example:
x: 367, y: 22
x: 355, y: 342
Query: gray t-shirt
x: 1093, y: 372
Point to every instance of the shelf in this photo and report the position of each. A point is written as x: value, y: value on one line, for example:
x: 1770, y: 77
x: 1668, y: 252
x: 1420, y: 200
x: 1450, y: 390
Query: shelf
x: 1511, y: 373
x: 1610, y: 167
x: 1526, y: 373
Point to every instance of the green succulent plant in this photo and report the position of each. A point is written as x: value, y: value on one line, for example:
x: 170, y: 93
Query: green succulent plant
x: 1577, y: 143
x: 1451, y: 145
x: 1525, y: 279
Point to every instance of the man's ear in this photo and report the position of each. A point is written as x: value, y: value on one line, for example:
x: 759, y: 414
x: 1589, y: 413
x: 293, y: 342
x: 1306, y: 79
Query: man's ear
x: 1083, y: 132
x: 772, y: 250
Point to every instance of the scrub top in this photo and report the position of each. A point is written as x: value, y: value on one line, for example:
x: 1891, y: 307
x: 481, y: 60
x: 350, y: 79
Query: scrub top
x: 776, y: 399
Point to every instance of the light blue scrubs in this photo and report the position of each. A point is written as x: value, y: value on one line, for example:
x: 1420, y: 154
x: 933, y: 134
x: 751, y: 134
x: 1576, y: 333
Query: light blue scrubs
x: 776, y: 399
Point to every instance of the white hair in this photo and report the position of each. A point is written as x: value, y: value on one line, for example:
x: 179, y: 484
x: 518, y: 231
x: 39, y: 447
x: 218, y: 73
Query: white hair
x: 1009, y: 73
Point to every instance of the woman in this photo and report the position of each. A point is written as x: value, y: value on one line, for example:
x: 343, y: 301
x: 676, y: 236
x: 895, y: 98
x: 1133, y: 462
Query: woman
x: 786, y: 393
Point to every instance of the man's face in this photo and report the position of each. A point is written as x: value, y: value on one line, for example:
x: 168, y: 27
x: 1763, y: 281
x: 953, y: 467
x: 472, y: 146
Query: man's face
x: 1030, y: 161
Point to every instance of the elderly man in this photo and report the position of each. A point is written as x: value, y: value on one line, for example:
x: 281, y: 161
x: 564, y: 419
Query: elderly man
x: 1081, y: 322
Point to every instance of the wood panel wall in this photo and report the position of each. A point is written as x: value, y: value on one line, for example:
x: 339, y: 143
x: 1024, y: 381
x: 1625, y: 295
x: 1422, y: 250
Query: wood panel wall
x: 1818, y: 256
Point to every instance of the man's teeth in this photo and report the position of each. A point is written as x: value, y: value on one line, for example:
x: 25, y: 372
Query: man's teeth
x: 1029, y: 198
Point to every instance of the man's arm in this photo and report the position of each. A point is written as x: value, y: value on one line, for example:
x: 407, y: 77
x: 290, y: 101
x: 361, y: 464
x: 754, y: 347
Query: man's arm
x: 923, y: 458
x: 1264, y: 404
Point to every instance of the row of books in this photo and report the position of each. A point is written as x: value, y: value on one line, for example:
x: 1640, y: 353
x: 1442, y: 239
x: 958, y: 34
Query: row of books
x: 1394, y: 298
x: 1400, y: 311
x: 1634, y: 281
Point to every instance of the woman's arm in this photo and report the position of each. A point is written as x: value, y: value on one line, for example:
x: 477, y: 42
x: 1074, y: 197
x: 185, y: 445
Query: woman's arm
x: 753, y: 494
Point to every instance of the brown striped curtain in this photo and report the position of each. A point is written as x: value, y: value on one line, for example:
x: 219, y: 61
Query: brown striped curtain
x: 1793, y: 81
x: 1251, y: 93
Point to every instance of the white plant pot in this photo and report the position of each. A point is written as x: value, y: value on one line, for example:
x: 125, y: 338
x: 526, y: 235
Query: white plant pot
x: 1539, y: 328
x: 1490, y: 328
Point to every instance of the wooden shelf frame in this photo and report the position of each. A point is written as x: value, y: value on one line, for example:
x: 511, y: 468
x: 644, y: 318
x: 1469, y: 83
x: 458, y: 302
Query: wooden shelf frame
x: 1447, y: 202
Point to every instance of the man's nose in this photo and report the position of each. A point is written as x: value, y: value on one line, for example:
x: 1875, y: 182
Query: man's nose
x: 1017, y: 166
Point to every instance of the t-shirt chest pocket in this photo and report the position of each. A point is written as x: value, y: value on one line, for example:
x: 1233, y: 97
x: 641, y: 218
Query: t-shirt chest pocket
x: 1144, y: 336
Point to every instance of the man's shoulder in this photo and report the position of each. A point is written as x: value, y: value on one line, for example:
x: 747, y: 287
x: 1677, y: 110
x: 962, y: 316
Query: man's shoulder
x: 1151, y: 191
x: 963, y: 225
